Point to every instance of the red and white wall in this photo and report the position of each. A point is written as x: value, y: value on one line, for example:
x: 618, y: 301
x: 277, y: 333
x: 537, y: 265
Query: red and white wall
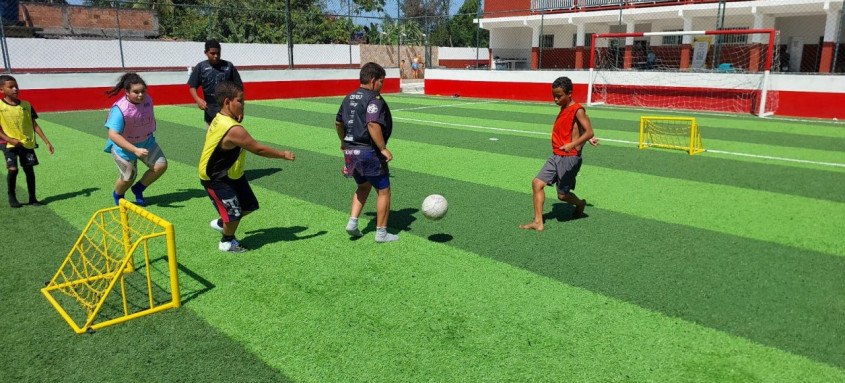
x: 81, y: 91
x: 814, y: 96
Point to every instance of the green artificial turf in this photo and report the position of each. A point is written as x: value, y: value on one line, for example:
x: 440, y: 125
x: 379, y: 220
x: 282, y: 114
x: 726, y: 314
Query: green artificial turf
x: 713, y: 267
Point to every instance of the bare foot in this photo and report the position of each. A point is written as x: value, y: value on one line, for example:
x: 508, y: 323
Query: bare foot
x: 532, y: 226
x: 579, y: 209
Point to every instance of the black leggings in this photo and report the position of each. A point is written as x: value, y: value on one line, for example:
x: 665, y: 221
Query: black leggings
x: 12, y: 177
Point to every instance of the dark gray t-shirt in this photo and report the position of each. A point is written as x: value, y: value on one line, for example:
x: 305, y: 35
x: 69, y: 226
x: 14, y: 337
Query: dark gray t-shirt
x: 207, y: 76
x: 359, y: 109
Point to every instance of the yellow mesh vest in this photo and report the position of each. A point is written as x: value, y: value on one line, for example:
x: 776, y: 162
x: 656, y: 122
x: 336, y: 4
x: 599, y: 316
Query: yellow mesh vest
x: 216, y: 131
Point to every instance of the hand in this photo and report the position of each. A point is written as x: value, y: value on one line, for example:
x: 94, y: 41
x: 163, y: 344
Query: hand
x: 50, y: 148
x: 388, y: 156
x: 594, y: 141
x: 141, y: 153
x: 202, y: 104
x: 15, y: 142
x: 289, y: 155
x: 566, y: 147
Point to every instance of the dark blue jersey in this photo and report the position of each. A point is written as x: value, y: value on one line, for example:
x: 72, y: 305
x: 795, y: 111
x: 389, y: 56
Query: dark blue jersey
x: 207, y: 77
x: 359, y: 109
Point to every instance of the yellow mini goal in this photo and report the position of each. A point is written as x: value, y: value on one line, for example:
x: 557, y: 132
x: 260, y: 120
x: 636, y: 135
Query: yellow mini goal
x: 671, y: 133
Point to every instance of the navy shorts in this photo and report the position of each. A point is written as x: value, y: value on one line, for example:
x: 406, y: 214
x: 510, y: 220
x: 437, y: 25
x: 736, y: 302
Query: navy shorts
x: 231, y: 198
x: 561, y: 170
x: 366, y: 165
x: 27, y: 157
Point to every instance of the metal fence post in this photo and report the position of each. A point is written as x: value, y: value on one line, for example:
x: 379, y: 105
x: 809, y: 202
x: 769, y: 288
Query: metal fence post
x: 119, y: 35
x: 6, y: 63
x: 290, y: 34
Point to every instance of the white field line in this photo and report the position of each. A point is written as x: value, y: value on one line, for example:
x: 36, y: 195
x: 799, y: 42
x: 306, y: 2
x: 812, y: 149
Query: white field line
x: 836, y: 164
x: 446, y: 106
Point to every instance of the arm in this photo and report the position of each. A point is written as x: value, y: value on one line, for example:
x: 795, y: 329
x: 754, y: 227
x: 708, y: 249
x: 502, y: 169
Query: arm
x: 200, y: 102
x: 40, y: 133
x: 584, y: 123
x: 238, y: 136
x: 126, y: 145
x: 10, y: 140
x: 378, y: 140
x: 341, y: 131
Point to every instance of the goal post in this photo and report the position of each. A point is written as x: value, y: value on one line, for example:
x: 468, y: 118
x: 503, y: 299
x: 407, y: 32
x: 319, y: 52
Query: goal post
x: 711, y: 70
x: 99, y: 283
x: 670, y: 133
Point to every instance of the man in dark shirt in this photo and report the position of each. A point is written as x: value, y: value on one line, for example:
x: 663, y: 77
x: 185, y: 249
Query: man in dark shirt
x: 207, y: 74
x: 363, y: 126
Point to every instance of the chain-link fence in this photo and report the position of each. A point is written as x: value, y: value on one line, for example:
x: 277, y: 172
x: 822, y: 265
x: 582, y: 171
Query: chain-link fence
x: 103, y: 36
x: 557, y: 34
x: 107, y: 35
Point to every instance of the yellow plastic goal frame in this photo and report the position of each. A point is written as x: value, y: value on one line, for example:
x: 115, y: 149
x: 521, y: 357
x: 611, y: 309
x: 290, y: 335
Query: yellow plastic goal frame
x: 60, y: 284
x: 695, y: 145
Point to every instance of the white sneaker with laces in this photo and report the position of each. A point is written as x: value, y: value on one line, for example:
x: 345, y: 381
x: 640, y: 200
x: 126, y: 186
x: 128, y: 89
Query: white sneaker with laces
x: 232, y: 246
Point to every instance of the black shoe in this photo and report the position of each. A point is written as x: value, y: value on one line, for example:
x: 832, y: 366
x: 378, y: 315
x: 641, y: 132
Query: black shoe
x: 35, y: 202
x: 13, y: 202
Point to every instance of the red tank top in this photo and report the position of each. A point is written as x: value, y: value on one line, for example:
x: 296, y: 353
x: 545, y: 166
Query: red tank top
x: 562, y: 131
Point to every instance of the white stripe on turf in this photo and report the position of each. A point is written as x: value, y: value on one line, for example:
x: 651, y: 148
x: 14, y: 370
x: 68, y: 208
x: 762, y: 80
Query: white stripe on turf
x: 836, y: 164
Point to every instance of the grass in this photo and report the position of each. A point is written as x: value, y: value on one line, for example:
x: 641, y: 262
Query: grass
x: 715, y: 267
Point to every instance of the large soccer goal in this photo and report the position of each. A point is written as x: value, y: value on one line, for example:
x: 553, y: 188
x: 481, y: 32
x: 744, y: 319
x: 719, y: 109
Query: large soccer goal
x: 721, y: 70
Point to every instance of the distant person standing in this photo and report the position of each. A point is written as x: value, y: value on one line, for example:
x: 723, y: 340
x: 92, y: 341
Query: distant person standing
x: 207, y: 74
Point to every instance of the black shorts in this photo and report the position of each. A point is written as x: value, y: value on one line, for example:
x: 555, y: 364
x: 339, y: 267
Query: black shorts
x: 27, y: 157
x: 231, y: 198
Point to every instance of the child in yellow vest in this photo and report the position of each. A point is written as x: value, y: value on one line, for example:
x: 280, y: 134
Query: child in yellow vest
x: 18, y: 129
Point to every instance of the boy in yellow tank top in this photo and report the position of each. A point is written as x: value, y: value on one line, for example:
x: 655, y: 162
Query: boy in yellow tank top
x: 18, y: 129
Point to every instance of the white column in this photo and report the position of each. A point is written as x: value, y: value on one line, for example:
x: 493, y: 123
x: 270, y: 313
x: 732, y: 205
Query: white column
x: 687, y: 27
x: 629, y: 28
x: 830, y: 25
x: 762, y: 21
x: 581, y: 33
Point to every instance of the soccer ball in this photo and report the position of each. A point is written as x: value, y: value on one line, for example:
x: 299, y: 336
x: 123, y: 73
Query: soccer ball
x: 434, y: 207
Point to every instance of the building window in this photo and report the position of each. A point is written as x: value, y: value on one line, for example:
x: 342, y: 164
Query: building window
x: 588, y: 39
x: 547, y: 41
x: 673, y: 40
x: 733, y: 39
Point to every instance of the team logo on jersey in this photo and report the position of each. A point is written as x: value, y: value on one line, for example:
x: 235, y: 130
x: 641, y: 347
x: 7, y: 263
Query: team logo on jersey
x: 372, y: 108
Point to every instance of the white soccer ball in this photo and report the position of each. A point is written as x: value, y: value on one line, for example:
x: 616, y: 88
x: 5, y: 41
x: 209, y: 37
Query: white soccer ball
x: 434, y: 207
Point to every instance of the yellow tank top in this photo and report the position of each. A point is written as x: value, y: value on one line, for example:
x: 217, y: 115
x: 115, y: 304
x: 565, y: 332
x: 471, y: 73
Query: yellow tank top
x: 216, y: 163
x: 16, y: 121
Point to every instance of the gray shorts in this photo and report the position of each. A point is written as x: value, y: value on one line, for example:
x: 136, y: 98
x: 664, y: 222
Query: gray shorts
x: 129, y: 169
x: 561, y: 170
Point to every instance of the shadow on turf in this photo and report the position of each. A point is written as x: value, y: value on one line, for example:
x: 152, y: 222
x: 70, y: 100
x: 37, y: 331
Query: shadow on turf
x: 171, y: 199
x: 53, y: 198
x: 562, y: 212
x: 255, y: 239
x: 440, y: 237
x: 399, y: 220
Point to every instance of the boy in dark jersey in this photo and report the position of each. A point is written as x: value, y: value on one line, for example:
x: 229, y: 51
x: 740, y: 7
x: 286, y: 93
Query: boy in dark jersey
x: 207, y: 74
x: 221, y: 167
x: 572, y: 128
x: 364, y: 125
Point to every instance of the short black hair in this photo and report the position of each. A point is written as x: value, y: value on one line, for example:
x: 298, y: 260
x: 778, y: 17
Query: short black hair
x: 564, y: 83
x: 371, y: 71
x: 211, y: 44
x: 6, y: 78
x: 226, y: 89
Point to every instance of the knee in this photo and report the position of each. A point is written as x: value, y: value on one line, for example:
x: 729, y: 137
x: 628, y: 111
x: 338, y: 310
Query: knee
x: 12, y: 170
x: 562, y: 196
x: 538, y: 184
x: 160, y: 168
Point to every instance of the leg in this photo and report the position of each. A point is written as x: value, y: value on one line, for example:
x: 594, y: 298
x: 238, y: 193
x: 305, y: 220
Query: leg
x: 29, y: 171
x: 573, y: 199
x: 11, y: 183
x: 157, y: 166
x: 126, y: 172
x: 537, y: 187
x: 382, y: 212
x: 358, y: 201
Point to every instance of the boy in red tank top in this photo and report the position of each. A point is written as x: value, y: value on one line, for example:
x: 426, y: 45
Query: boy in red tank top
x: 571, y: 130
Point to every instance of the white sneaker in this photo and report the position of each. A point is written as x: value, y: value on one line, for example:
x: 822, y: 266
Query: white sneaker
x: 384, y: 236
x: 215, y: 226
x: 232, y: 246
x: 354, y: 231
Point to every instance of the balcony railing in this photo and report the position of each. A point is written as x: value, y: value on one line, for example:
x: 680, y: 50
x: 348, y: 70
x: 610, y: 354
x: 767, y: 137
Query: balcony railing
x: 551, y: 5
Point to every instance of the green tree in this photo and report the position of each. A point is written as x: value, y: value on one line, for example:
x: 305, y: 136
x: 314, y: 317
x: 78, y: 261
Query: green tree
x: 463, y: 30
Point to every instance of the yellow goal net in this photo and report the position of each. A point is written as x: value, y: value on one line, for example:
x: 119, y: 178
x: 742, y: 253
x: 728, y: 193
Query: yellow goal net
x: 124, y: 248
x: 671, y: 133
